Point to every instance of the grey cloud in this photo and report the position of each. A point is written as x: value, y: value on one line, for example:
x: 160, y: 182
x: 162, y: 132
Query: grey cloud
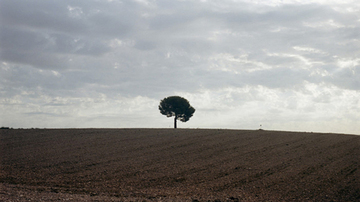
x: 174, y: 20
x: 283, y: 78
x: 48, y: 51
x: 27, y: 47
x: 275, y: 17
x: 71, y: 45
x: 281, y: 28
x: 46, y: 15
x: 277, y: 78
x: 38, y: 60
x: 20, y: 39
x: 103, y: 24
x: 348, y: 78
x: 45, y: 35
x: 145, y: 45
x: 30, y: 41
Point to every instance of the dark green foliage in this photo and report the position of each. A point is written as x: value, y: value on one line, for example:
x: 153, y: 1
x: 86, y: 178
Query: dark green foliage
x: 178, y: 107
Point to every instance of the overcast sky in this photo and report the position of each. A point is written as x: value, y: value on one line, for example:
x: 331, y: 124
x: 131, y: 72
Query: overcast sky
x: 283, y: 64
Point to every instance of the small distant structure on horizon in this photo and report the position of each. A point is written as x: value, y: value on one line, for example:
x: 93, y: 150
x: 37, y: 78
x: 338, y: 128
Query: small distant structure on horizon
x: 260, y: 127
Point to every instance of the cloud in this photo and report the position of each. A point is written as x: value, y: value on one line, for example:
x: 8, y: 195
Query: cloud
x: 242, y: 62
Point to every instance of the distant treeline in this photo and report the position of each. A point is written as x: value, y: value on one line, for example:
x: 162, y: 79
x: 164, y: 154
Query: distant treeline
x: 6, y: 128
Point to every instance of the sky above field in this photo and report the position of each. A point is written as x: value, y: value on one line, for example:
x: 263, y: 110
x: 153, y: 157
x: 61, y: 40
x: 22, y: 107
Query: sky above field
x: 283, y: 64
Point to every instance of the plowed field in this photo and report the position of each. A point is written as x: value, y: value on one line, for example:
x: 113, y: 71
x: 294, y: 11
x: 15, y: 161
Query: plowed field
x: 177, y: 165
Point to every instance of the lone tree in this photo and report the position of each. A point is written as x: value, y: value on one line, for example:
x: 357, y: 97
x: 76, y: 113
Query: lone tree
x: 178, y: 107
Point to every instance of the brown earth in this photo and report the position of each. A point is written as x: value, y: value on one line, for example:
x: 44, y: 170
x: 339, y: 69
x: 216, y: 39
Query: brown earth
x: 177, y: 165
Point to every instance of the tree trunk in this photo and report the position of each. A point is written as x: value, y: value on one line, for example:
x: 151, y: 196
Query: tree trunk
x: 175, y: 121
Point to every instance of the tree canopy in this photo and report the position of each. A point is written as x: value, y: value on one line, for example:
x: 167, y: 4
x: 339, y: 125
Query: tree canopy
x: 178, y: 107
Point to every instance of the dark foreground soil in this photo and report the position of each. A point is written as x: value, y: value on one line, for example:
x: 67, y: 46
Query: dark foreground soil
x: 177, y: 165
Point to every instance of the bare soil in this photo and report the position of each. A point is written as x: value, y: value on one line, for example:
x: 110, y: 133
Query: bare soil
x: 177, y: 165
